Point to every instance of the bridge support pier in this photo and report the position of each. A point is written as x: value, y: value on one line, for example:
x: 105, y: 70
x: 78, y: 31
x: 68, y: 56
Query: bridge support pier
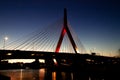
x: 36, y: 64
x: 49, y: 62
x: 37, y: 60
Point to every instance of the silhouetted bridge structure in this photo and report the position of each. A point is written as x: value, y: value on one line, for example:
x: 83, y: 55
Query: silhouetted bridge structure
x: 71, y: 61
x: 63, y: 59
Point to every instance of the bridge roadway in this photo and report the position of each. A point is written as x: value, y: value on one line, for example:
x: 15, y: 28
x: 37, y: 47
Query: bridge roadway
x: 72, y: 57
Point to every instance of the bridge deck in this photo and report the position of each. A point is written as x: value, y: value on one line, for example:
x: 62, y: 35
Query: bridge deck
x: 18, y: 54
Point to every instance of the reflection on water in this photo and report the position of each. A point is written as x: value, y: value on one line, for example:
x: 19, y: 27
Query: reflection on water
x: 48, y: 74
x: 41, y: 74
x: 23, y: 74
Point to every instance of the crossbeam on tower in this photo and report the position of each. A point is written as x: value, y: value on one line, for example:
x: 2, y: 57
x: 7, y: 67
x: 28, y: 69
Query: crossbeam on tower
x: 65, y: 30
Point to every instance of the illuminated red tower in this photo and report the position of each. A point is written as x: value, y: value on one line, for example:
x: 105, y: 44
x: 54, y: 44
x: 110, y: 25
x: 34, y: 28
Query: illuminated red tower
x: 65, y: 30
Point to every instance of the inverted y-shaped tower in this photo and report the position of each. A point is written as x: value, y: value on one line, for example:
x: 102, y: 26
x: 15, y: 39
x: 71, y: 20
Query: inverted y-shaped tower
x: 65, y: 30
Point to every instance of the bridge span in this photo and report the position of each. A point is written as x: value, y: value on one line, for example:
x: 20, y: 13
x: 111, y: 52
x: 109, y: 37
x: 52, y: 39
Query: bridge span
x: 70, y: 59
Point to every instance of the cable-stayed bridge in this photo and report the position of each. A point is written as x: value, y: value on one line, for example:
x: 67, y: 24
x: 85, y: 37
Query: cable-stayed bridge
x: 57, y: 44
x: 57, y: 37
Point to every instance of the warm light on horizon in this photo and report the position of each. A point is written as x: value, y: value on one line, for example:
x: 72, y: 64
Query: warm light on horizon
x: 21, y: 60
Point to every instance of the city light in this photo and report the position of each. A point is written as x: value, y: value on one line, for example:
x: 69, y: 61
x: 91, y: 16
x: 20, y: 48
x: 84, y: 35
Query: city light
x: 5, y: 39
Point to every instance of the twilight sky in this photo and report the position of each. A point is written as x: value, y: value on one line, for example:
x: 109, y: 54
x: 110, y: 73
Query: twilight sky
x: 96, y: 22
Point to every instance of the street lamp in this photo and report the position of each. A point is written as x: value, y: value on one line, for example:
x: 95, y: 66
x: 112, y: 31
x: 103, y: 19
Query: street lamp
x: 5, y: 39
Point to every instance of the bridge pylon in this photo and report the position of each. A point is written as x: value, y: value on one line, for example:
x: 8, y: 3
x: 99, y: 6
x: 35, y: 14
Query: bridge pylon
x: 65, y: 30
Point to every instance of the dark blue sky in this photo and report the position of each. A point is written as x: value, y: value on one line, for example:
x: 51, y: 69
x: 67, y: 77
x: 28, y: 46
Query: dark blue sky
x: 96, y: 22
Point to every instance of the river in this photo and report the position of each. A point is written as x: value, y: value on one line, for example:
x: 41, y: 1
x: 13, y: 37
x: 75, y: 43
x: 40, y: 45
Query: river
x: 47, y: 74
